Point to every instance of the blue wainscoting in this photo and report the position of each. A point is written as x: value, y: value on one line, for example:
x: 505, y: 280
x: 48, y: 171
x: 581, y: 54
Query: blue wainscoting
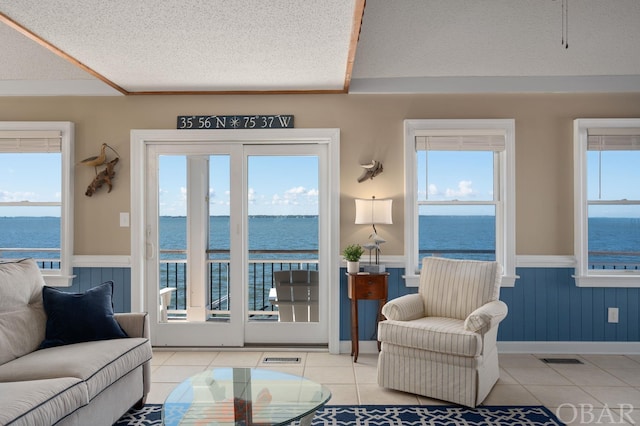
x: 545, y: 305
x: 86, y: 278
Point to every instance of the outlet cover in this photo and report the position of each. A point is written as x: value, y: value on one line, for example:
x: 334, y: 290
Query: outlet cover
x: 613, y: 315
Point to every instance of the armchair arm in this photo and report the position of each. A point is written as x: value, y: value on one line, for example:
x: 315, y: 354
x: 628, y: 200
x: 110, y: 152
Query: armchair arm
x: 404, y: 308
x: 486, y: 316
x: 135, y: 324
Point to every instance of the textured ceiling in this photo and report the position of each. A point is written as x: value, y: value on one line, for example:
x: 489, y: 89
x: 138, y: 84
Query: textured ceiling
x: 405, y: 46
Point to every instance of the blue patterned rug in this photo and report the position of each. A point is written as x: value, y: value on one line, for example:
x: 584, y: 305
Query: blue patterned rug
x: 378, y: 415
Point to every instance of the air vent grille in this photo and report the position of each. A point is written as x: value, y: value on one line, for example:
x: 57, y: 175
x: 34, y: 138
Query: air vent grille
x: 281, y: 360
x: 562, y: 360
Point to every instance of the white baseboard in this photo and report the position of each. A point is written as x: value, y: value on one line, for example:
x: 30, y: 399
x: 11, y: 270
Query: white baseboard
x: 617, y: 348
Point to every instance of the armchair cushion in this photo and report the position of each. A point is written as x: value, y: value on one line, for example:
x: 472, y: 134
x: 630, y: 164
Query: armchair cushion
x: 404, y: 308
x: 455, y: 288
x: 436, y: 334
x: 486, y: 317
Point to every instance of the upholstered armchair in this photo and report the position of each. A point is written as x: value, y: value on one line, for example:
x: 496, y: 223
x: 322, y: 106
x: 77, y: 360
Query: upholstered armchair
x: 441, y: 342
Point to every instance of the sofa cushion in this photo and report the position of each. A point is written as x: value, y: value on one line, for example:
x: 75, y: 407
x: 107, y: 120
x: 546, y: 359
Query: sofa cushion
x: 437, y: 334
x: 98, y: 363
x: 40, y: 402
x: 80, y: 317
x: 22, y: 317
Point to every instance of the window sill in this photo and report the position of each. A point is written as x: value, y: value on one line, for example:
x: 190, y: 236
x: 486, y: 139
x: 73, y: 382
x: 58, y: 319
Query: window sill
x: 57, y: 280
x: 615, y: 281
x: 414, y: 280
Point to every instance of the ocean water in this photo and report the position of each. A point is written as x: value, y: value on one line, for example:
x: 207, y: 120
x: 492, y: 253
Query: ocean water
x: 614, y: 243
x: 613, y: 240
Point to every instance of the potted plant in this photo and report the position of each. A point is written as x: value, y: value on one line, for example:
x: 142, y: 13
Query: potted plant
x: 352, y: 254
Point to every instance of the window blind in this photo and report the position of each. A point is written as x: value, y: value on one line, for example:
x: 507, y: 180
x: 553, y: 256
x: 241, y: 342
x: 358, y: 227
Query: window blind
x: 613, y: 139
x: 16, y: 141
x: 468, y: 140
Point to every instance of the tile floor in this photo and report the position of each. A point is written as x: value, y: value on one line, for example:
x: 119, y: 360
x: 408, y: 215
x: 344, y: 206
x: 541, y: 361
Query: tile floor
x: 588, y: 393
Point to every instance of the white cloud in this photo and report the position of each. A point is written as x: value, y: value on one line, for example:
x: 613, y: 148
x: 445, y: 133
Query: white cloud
x: 433, y: 189
x: 7, y: 196
x: 464, y: 190
x: 296, y: 191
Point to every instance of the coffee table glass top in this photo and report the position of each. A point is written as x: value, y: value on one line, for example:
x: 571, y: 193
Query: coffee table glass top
x: 236, y: 396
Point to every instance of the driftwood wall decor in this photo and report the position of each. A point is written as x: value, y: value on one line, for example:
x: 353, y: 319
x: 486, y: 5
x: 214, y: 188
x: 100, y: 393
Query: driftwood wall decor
x: 107, y: 174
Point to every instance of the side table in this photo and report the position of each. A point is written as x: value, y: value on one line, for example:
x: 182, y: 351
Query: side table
x: 365, y: 287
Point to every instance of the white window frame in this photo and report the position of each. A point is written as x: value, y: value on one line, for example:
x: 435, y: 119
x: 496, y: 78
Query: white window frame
x: 505, y: 207
x: 584, y: 276
x: 57, y: 277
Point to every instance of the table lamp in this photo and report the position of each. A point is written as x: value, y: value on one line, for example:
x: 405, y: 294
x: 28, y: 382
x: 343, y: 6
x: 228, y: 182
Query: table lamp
x: 371, y: 212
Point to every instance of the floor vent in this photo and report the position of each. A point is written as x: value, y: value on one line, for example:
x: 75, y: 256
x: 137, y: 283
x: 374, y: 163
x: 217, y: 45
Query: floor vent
x: 281, y: 360
x: 562, y: 361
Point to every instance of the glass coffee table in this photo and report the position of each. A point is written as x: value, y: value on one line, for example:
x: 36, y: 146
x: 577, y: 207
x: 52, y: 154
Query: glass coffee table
x: 243, y: 396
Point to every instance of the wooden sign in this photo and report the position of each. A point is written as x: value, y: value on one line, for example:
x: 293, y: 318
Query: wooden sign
x: 235, y: 121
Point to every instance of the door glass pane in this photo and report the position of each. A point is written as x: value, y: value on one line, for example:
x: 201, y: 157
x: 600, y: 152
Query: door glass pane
x: 283, y: 236
x: 172, y: 237
x: 458, y: 232
x: 219, y: 233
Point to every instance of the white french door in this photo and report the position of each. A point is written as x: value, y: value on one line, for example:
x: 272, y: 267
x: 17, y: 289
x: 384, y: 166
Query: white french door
x: 208, y: 274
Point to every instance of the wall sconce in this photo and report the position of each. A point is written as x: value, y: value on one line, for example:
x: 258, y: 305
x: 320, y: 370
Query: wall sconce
x: 372, y: 212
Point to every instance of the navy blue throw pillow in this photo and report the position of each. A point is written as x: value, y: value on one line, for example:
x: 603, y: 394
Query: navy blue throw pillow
x: 79, y: 317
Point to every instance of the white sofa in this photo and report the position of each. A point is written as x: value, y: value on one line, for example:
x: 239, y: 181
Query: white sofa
x: 441, y: 342
x: 87, y: 383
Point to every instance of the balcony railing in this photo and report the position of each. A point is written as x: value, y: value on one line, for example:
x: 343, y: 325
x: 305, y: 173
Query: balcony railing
x: 173, y: 273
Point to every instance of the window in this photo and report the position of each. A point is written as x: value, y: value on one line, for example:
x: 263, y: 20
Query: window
x: 607, y: 202
x: 36, y: 204
x: 460, y: 192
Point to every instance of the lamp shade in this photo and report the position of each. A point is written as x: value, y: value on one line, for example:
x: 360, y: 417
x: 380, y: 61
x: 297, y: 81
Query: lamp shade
x: 373, y: 211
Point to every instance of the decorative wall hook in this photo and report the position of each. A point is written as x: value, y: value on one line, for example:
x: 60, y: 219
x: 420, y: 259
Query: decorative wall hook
x: 371, y: 170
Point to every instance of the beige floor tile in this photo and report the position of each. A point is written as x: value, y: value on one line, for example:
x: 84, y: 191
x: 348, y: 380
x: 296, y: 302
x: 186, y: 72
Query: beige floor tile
x: 630, y: 376
x: 589, y: 376
x: 159, y: 392
x: 371, y: 394
x: 318, y: 359
x: 505, y: 378
x: 612, y: 361
x: 510, y: 395
x: 343, y: 394
x: 159, y: 357
x: 297, y: 370
x: 611, y: 396
x: 366, y: 373
x: 603, y: 379
x: 175, y: 373
x: 332, y: 375
x: 636, y: 358
x: 536, y: 376
x: 423, y: 400
x: 556, y: 396
x: 236, y: 359
x: 520, y: 360
x: 627, y: 414
x: 203, y: 358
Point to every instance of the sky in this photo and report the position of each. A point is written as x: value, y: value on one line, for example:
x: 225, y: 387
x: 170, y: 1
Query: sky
x: 280, y: 185
x: 277, y: 185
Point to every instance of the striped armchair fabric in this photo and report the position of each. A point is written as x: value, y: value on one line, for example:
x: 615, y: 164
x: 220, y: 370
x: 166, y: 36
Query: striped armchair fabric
x: 441, y: 342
